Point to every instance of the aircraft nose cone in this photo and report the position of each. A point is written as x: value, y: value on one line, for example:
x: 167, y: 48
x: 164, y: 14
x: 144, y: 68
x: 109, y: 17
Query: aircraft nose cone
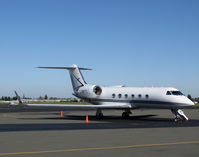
x: 189, y: 102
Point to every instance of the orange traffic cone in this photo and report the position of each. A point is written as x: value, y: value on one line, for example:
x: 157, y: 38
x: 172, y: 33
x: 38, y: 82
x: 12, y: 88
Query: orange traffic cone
x: 86, y: 119
x: 61, y: 114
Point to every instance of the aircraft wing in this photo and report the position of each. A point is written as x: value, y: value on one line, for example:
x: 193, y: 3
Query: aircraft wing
x: 103, y: 106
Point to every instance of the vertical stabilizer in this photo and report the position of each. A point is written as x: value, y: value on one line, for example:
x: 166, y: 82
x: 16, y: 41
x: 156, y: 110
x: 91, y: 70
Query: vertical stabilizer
x: 18, y: 98
x: 76, y: 76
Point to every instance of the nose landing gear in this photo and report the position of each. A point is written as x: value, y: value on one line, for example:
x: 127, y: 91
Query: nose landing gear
x: 180, y: 116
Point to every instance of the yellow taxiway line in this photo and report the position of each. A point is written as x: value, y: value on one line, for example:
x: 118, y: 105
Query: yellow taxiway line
x: 100, y: 148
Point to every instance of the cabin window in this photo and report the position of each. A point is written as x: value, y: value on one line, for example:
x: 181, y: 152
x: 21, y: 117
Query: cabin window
x: 126, y: 95
x: 147, y: 96
x: 119, y: 95
x: 113, y: 95
x: 140, y: 96
x: 132, y: 95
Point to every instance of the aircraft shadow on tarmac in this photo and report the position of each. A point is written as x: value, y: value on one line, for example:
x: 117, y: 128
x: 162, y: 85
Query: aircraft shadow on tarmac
x: 109, y: 122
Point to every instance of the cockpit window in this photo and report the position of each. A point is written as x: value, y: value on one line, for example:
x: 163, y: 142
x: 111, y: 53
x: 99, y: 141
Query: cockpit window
x: 168, y: 93
x: 177, y: 93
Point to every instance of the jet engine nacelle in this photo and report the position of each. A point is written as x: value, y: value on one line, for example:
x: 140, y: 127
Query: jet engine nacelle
x: 97, y: 90
x: 90, y: 91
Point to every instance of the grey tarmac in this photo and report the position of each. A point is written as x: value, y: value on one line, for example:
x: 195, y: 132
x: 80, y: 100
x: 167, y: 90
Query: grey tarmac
x: 147, y: 133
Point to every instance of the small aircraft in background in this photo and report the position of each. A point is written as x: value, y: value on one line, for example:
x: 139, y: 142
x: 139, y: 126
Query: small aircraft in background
x: 121, y: 97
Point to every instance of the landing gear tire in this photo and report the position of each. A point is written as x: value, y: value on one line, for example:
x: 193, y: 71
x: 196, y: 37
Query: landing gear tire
x: 99, y: 114
x: 179, y: 120
x: 125, y: 115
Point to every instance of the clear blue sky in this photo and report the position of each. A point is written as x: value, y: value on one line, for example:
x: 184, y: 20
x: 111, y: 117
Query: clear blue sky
x: 130, y: 42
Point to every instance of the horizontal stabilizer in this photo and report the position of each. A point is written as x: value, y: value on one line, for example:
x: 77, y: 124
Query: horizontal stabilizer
x: 76, y: 76
x: 67, y: 68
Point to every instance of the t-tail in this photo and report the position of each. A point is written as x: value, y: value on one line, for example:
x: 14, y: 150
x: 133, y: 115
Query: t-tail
x: 76, y: 76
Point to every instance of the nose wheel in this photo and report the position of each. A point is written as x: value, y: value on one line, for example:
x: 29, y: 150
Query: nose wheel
x: 179, y: 120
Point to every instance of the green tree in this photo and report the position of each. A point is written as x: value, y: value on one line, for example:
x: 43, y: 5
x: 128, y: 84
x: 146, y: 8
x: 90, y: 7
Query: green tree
x: 189, y: 96
x: 46, y: 97
x: 14, y: 98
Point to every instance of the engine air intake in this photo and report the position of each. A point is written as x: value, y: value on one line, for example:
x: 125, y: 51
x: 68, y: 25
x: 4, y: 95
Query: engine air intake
x: 97, y: 90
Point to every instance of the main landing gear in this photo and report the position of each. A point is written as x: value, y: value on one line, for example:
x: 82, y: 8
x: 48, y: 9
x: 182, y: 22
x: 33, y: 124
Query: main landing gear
x: 99, y: 114
x: 126, y: 114
x: 180, y: 116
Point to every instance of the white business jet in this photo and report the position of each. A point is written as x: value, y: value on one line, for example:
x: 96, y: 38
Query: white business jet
x: 121, y: 97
